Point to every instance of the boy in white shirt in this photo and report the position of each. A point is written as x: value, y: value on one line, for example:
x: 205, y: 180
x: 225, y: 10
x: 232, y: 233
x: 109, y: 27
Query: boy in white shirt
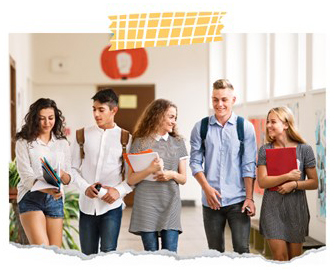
x: 100, y: 216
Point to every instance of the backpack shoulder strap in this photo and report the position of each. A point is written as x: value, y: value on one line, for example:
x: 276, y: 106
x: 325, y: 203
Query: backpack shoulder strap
x: 204, y: 131
x: 80, y: 135
x: 241, y: 134
x: 124, y: 141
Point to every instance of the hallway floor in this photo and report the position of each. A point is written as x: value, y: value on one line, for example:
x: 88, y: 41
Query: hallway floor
x: 192, y: 241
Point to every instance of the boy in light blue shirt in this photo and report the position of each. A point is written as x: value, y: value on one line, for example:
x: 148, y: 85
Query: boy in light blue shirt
x: 227, y: 179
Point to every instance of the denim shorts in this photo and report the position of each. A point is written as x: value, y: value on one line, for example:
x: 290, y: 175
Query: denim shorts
x: 39, y: 201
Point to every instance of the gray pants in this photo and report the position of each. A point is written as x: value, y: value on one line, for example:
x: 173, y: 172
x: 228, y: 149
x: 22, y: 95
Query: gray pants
x: 214, y: 224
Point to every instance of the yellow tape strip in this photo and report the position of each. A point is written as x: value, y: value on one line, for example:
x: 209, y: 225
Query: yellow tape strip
x: 164, y: 29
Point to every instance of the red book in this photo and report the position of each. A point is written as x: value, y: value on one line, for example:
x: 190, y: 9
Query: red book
x: 280, y: 161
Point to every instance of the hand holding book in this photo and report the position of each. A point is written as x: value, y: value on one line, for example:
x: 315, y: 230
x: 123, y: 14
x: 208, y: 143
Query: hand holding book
x: 282, y: 161
x: 49, y: 174
x: 145, y: 160
x: 294, y: 175
x: 52, y: 179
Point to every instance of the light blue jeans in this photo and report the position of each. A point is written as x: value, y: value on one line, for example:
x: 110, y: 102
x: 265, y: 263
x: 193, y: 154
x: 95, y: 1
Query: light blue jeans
x: 169, y: 240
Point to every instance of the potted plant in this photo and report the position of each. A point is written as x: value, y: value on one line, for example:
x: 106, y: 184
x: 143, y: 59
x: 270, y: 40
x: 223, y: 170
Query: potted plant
x: 16, y: 232
x: 14, y: 178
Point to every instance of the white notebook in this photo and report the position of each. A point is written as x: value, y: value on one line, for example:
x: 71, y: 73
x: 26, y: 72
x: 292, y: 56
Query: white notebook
x: 140, y: 162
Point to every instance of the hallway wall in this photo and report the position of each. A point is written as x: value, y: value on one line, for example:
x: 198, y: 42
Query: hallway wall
x: 179, y: 73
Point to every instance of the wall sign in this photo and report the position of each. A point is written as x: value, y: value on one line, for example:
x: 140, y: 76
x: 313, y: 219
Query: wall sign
x: 127, y: 102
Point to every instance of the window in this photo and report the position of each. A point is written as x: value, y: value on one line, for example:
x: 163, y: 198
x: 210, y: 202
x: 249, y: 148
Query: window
x: 318, y: 61
x: 285, y: 64
x: 256, y: 61
x: 235, y: 63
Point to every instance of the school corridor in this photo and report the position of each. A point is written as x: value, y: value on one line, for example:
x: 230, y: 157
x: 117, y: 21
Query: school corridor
x: 192, y: 242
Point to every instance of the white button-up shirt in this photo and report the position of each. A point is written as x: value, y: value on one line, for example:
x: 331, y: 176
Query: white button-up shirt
x: 102, y: 163
x: 29, y: 167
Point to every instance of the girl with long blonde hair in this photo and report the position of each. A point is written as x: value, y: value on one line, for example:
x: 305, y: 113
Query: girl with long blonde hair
x: 284, y: 216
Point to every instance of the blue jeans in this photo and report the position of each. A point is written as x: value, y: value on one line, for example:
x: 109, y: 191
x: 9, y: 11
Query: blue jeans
x: 214, y: 224
x: 106, y: 227
x: 39, y: 201
x: 169, y: 240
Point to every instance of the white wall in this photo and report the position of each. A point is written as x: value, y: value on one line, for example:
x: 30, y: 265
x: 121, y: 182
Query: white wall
x: 180, y: 73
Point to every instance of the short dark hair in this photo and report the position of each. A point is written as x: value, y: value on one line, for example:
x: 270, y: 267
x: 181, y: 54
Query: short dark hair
x: 108, y: 96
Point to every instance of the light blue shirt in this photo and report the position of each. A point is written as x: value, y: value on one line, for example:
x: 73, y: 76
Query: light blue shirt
x: 223, y: 167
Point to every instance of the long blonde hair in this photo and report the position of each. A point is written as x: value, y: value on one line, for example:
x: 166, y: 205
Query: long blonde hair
x: 286, y: 116
x: 150, y: 120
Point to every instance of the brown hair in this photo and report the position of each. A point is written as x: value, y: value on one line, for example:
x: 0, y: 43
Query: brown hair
x: 151, y: 118
x: 222, y: 84
x: 286, y: 116
x: 31, y: 128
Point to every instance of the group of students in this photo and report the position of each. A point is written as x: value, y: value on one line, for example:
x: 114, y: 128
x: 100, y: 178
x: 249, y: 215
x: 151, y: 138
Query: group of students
x: 222, y: 159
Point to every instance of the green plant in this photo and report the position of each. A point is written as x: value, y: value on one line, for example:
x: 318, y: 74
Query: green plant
x: 71, y: 212
x: 14, y: 177
x: 13, y: 226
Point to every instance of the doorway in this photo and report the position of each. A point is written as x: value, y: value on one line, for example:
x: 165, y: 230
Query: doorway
x: 12, y: 105
x: 133, y: 100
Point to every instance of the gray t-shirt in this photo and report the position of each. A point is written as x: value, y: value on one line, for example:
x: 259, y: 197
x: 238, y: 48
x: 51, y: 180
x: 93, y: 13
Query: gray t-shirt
x: 157, y: 205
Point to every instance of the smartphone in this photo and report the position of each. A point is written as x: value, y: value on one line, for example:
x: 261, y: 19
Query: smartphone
x: 98, y: 187
x: 248, y: 209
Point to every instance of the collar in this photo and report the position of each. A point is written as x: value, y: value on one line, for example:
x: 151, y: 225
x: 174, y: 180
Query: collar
x: 53, y: 139
x: 232, y: 120
x: 103, y: 130
x: 158, y: 137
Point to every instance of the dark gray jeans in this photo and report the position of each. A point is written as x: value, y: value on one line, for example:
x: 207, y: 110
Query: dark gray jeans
x: 214, y: 224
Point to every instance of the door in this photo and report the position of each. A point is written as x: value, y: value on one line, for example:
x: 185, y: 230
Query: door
x: 12, y: 105
x: 133, y: 100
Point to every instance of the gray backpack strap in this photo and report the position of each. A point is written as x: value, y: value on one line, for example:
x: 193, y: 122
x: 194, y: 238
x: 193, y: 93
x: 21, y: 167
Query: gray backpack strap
x: 80, y: 135
x: 124, y: 141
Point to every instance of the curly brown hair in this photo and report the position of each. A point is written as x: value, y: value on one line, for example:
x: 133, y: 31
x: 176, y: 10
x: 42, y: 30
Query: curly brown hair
x: 150, y: 120
x: 30, y: 130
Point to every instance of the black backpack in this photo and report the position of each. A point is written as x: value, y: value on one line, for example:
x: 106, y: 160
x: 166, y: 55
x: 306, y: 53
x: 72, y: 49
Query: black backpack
x: 240, y: 130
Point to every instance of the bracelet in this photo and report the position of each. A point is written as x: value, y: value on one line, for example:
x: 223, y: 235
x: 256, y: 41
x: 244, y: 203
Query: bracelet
x: 296, y: 185
x: 250, y: 199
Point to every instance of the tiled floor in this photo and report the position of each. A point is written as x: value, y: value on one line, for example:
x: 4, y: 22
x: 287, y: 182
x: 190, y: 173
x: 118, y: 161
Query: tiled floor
x: 192, y: 241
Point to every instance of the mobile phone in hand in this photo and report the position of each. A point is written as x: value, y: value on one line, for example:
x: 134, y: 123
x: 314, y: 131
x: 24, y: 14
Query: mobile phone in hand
x: 98, y: 187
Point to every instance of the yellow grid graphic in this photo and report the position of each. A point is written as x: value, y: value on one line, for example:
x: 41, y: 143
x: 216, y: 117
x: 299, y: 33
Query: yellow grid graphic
x: 164, y: 29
